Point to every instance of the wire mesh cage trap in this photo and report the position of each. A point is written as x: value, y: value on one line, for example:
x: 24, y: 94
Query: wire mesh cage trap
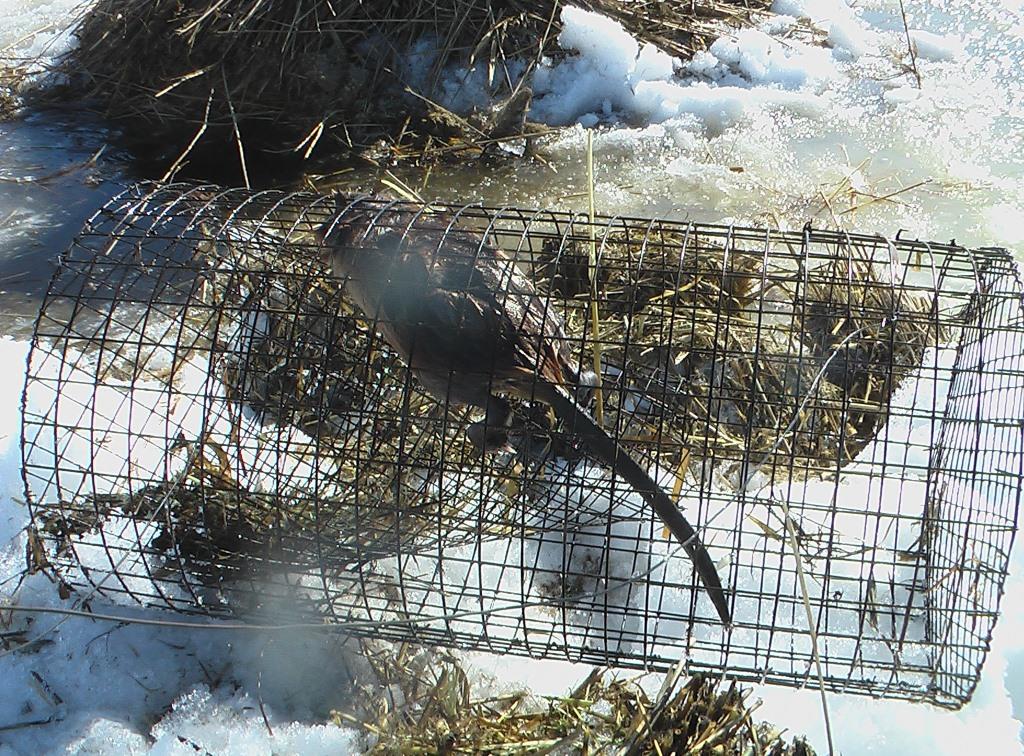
x: 212, y: 425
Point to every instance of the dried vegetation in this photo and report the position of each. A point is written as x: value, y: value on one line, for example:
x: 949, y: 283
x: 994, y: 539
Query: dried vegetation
x: 431, y: 708
x: 219, y: 82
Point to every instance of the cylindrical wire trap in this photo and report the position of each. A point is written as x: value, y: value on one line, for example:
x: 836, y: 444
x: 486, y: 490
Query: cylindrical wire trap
x: 212, y: 426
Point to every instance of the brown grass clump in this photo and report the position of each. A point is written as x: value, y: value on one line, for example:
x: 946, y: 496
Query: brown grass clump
x: 745, y: 357
x: 215, y: 83
x: 11, y: 79
x: 430, y: 708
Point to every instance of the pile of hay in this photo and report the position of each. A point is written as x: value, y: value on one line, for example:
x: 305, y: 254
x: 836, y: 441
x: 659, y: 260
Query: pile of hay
x: 740, y: 359
x: 429, y: 707
x: 210, y: 85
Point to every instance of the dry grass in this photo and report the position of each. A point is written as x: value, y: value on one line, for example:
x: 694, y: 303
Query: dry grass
x: 213, y: 84
x: 430, y: 709
x: 725, y: 346
x: 15, y: 73
x: 11, y: 79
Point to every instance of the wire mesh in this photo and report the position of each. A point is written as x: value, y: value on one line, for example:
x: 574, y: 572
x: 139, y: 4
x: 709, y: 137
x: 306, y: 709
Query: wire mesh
x: 211, y: 425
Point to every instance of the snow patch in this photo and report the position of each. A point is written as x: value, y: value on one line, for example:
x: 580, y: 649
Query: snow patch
x: 936, y: 47
x: 38, y: 33
x: 458, y: 89
x: 758, y: 58
x: 206, y: 722
x: 846, y: 33
x: 603, y: 76
x: 613, y: 77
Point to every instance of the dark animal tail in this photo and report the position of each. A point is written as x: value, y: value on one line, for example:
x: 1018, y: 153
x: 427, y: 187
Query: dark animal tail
x: 613, y: 455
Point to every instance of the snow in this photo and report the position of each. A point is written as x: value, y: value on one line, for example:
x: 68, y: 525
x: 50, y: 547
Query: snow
x: 721, y: 147
x: 846, y: 32
x: 761, y: 59
x: 100, y: 688
x: 937, y: 47
x: 460, y: 90
x: 37, y: 33
x: 1008, y: 217
x: 990, y: 723
x: 200, y: 720
x: 613, y: 76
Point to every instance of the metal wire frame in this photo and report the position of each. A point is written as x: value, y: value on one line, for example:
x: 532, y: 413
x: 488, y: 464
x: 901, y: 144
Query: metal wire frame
x: 209, y: 426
